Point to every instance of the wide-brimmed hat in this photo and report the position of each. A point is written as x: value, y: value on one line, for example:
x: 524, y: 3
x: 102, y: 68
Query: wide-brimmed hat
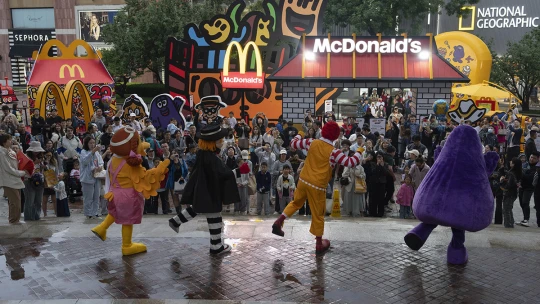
x: 35, y: 146
x: 212, y: 100
x: 213, y: 132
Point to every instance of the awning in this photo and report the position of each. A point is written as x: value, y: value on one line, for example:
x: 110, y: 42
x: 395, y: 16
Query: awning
x: 22, y: 50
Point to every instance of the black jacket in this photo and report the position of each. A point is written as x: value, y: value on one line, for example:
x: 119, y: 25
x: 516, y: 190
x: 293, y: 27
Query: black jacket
x: 527, y: 178
x: 530, y: 147
x: 211, y: 185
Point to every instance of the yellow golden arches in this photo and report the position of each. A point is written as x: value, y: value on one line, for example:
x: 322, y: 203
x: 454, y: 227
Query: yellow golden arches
x: 86, y: 100
x: 64, y: 99
x: 243, y: 57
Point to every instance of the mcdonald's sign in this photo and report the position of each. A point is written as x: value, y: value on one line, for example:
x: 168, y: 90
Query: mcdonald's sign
x: 71, y: 70
x: 242, y: 79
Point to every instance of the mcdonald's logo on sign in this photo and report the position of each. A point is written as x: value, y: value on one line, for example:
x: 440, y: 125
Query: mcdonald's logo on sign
x: 71, y: 70
x: 242, y: 79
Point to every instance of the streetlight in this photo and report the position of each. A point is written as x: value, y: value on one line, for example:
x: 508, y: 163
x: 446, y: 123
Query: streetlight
x: 25, y: 105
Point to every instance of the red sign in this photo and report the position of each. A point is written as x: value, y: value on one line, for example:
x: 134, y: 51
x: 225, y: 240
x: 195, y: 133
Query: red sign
x: 247, y: 80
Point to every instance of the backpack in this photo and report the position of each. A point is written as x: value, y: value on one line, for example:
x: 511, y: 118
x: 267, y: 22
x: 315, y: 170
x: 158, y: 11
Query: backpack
x: 159, y: 152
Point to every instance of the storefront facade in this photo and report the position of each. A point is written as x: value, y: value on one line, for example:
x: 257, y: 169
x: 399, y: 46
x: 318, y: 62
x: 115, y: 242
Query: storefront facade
x: 366, y: 64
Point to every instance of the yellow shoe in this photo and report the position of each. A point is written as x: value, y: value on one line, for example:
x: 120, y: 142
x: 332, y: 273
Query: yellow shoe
x: 101, y: 230
x: 129, y: 248
x: 133, y: 249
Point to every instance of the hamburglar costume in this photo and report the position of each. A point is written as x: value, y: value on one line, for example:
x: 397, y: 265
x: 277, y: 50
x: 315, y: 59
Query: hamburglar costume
x: 210, y: 186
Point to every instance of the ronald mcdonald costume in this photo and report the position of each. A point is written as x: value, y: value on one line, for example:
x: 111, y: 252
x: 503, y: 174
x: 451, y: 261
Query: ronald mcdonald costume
x: 126, y: 187
x: 314, y: 178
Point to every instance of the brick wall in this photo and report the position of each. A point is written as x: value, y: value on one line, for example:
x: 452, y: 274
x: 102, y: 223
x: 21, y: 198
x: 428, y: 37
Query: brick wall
x: 5, y: 24
x: 300, y: 96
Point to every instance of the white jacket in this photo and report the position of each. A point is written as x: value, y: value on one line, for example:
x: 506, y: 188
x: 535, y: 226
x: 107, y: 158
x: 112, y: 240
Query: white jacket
x: 10, y: 176
x: 280, y: 184
x: 71, y: 146
x: 351, y: 174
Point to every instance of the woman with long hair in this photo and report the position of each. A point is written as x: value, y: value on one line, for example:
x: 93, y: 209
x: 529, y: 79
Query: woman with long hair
x: 10, y: 178
x: 509, y: 184
x: 49, y: 164
x: 254, y: 142
x: 94, y: 28
x: 34, y: 185
x: 91, y: 163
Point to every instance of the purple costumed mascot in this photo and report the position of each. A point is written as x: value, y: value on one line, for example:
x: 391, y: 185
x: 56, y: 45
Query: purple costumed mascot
x: 455, y: 193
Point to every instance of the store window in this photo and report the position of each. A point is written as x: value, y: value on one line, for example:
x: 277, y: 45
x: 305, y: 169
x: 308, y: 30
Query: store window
x: 33, y: 18
x: 380, y: 101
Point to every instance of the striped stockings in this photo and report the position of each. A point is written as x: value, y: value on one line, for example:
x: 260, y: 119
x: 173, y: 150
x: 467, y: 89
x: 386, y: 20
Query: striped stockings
x: 215, y: 226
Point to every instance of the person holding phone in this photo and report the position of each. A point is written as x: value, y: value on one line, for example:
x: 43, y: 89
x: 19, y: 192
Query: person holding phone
x: 91, y: 163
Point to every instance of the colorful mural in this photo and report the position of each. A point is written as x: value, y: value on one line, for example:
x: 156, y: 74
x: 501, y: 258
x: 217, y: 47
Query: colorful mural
x: 193, y: 64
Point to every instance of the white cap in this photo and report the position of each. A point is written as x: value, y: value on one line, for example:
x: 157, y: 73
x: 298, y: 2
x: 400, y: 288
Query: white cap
x: 283, y: 151
x: 132, y: 115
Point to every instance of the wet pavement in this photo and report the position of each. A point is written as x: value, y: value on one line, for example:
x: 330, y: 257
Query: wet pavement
x: 263, y: 269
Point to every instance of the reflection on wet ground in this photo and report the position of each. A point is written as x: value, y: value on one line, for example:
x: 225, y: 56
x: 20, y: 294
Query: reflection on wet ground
x: 263, y: 270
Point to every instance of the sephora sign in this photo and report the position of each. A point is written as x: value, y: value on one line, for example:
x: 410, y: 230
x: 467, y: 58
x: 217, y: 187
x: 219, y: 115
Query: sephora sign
x: 349, y: 45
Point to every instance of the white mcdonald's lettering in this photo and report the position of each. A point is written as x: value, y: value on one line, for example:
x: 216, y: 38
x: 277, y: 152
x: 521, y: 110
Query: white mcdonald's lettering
x: 348, y: 45
x: 243, y: 57
x: 256, y: 80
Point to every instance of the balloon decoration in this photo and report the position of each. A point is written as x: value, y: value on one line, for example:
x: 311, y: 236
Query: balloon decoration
x: 440, y: 108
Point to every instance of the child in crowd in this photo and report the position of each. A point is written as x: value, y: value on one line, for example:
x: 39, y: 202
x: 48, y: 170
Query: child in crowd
x: 264, y: 184
x: 162, y: 192
x: 62, y: 207
x: 285, y: 187
x: 242, y: 180
x: 405, y: 197
x: 75, y: 173
x: 172, y: 127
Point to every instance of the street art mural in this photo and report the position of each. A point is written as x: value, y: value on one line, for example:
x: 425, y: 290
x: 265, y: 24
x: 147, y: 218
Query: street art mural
x: 164, y: 107
x: 193, y: 64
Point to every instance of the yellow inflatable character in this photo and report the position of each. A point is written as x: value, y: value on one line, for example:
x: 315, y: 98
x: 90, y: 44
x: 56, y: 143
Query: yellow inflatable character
x: 128, y: 186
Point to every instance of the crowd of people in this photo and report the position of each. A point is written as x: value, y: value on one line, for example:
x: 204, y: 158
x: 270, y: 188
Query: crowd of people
x: 64, y: 164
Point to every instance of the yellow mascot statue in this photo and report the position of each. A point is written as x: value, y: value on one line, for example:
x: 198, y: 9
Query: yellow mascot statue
x: 127, y: 185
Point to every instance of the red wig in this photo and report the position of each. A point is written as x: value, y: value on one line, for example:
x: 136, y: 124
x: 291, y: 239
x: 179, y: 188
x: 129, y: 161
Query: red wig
x: 330, y: 130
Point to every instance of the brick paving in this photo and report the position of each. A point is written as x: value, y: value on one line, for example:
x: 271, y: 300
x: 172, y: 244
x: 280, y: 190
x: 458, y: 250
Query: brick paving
x: 269, y: 270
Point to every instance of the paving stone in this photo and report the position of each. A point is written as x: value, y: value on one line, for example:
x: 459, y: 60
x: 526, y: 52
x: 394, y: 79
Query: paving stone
x: 263, y: 270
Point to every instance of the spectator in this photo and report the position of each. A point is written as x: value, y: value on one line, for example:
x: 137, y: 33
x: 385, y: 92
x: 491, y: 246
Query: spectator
x: 264, y: 184
x: 10, y: 178
x: 317, y: 125
x: 377, y: 192
x: 62, y: 207
x: 530, y: 145
x: 418, y: 172
x: 354, y: 204
x: 33, y: 184
x: 99, y: 119
x: 285, y: 187
x: 178, y: 144
x: 117, y: 124
x: 261, y: 122
x: 192, y: 137
x: 416, y: 145
x: 91, y: 163
x: 134, y: 123
x: 242, y: 180
x: 232, y: 120
x: 413, y: 126
x: 405, y: 197
x: 514, y: 140
x: 150, y: 127
x: 49, y: 164
x: 242, y: 132
x: 509, y: 184
x: 38, y: 124
x: 526, y: 189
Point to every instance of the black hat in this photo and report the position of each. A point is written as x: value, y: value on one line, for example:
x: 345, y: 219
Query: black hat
x: 214, y: 100
x: 213, y: 132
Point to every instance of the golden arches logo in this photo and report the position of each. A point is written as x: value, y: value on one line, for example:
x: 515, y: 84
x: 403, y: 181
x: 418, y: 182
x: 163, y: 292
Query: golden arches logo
x: 242, y: 79
x: 71, y: 70
x: 64, y: 99
x: 66, y: 52
x: 243, y: 57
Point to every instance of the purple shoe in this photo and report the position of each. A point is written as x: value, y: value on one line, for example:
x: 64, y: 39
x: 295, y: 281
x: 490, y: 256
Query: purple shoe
x: 416, y: 238
x: 457, y: 256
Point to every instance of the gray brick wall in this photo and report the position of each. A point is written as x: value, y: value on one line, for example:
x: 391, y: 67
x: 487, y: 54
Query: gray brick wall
x: 300, y: 96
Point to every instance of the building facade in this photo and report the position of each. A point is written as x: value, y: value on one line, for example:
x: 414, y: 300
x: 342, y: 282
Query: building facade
x: 26, y: 24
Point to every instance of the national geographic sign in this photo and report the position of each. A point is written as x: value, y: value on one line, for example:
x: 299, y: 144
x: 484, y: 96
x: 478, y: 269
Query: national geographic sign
x: 500, y: 20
